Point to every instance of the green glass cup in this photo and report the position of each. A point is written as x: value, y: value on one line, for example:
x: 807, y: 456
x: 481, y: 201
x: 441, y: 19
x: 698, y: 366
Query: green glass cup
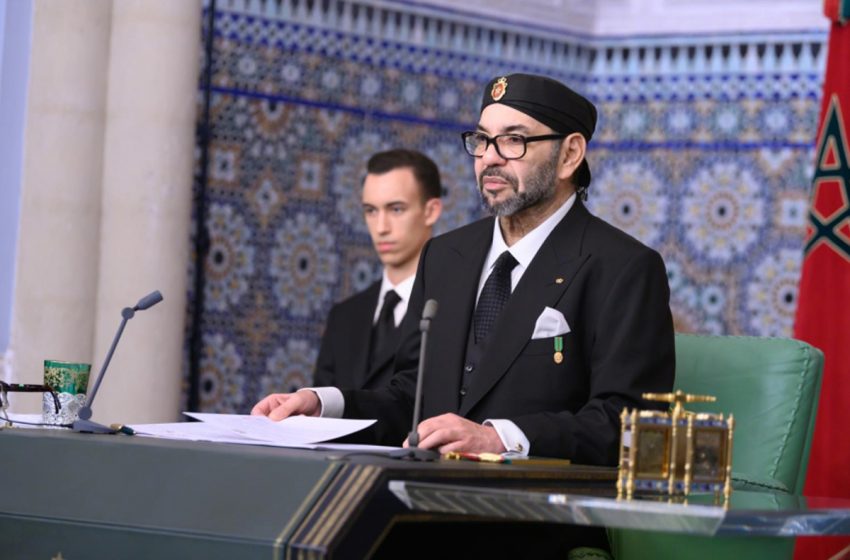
x: 69, y: 380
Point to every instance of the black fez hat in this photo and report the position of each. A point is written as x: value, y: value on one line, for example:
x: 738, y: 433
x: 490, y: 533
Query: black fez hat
x: 549, y: 102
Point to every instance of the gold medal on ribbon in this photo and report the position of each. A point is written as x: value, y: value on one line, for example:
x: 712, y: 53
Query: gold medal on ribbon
x: 558, y: 357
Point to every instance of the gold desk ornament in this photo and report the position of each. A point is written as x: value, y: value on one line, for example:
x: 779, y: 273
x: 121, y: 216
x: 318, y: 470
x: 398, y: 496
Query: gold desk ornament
x: 675, y: 452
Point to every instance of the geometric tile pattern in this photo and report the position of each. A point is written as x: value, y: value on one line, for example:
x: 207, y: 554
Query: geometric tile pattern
x: 710, y: 166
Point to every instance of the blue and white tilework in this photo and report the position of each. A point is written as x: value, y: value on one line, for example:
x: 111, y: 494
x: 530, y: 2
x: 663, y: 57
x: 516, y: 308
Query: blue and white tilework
x: 703, y: 151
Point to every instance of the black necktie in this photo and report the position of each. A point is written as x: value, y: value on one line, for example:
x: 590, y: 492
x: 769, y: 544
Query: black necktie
x: 494, y: 295
x: 384, y: 329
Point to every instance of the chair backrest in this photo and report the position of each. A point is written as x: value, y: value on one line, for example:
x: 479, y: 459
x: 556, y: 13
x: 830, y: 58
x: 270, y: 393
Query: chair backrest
x: 771, y: 385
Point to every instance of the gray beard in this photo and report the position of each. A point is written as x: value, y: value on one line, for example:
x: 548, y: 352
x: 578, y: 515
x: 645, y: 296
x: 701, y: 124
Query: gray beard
x: 539, y: 187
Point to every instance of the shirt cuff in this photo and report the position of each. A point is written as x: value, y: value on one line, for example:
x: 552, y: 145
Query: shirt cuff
x: 331, y: 400
x: 512, y: 437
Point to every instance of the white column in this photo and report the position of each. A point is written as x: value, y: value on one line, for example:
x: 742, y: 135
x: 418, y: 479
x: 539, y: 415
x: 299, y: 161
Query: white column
x: 147, y: 188
x: 57, y: 253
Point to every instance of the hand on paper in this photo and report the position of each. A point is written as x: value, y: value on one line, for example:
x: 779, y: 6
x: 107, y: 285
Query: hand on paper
x: 278, y: 406
x: 450, y: 432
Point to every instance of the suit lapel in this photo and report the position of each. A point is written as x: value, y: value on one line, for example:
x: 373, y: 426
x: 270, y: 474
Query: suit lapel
x: 558, y: 258
x: 362, y: 335
x: 450, y: 327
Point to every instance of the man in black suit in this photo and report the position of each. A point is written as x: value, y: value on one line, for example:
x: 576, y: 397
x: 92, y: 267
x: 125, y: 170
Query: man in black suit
x: 401, y: 203
x: 550, y: 320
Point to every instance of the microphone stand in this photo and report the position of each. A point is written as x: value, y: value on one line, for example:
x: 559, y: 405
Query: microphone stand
x: 413, y: 452
x: 84, y: 423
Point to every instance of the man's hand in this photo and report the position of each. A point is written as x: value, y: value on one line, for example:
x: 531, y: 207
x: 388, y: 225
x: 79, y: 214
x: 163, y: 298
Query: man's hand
x: 278, y: 406
x: 450, y: 432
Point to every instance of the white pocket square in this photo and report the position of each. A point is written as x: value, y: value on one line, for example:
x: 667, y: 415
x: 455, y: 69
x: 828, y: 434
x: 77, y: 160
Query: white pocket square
x: 550, y: 323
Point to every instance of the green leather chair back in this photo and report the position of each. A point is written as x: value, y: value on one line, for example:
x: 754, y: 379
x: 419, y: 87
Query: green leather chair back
x: 771, y: 385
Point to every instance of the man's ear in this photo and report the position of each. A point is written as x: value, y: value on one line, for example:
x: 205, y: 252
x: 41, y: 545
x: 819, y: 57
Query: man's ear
x: 433, y: 209
x: 572, y: 154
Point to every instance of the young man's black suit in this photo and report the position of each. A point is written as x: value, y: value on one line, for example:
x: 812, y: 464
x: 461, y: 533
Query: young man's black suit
x: 611, y: 289
x: 344, y: 354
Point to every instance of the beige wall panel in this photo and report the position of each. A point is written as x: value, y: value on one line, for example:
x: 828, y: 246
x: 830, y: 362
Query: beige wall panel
x: 147, y: 181
x: 56, y: 276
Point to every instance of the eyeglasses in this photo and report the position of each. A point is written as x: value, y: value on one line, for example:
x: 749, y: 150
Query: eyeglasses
x: 25, y: 388
x: 508, y: 146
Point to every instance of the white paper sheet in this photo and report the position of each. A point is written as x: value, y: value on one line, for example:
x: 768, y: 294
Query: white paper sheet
x: 296, y: 431
x: 195, y: 431
x: 347, y: 448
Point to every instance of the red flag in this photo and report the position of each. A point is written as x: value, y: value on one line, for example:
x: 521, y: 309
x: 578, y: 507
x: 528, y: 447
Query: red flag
x: 823, y: 308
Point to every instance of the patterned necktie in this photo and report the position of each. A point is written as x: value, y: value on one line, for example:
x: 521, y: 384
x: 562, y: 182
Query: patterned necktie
x: 384, y: 329
x: 494, y: 296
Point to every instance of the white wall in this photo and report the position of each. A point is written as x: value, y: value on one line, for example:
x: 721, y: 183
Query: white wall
x: 15, y: 34
x: 105, y: 197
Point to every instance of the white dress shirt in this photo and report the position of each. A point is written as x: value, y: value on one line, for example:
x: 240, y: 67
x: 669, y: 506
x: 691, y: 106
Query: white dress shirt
x: 403, y: 290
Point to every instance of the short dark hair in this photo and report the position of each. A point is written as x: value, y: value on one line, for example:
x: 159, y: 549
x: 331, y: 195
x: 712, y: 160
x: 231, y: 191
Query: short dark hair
x: 424, y: 170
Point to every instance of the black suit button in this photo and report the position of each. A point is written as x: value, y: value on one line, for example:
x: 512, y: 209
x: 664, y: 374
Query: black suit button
x: 468, y: 368
x: 463, y: 392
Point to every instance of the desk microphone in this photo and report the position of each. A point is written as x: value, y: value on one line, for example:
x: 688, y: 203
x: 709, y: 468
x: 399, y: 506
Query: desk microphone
x: 413, y: 452
x: 84, y: 424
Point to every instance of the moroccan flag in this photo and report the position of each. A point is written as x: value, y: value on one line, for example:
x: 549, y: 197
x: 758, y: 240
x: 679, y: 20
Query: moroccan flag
x: 823, y: 308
